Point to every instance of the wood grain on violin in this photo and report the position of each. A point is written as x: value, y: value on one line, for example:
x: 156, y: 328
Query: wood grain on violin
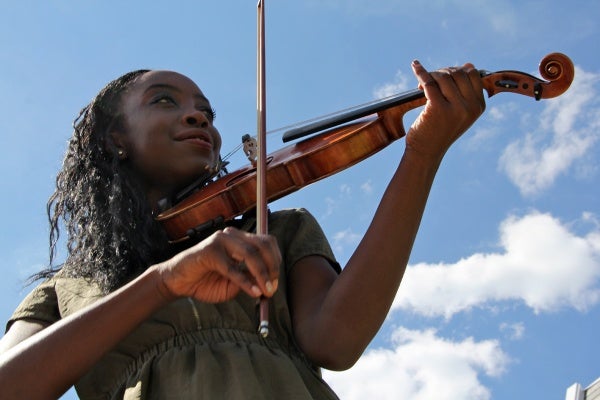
x: 338, y: 148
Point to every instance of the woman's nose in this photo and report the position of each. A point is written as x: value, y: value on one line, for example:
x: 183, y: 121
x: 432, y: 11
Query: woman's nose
x: 196, y: 118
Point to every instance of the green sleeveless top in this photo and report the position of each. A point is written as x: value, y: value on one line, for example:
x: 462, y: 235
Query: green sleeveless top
x: 194, y: 350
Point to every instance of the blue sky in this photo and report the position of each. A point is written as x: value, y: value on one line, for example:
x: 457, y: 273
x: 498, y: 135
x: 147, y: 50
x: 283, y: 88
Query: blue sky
x: 501, y: 297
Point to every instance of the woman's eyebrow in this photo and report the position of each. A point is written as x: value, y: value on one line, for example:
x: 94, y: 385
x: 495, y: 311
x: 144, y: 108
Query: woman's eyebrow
x: 162, y: 86
x: 173, y: 88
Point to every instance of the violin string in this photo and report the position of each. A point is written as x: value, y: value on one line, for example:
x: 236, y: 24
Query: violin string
x: 308, y: 121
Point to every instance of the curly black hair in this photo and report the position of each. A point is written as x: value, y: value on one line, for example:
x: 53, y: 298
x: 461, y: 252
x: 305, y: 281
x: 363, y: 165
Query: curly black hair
x: 111, y: 234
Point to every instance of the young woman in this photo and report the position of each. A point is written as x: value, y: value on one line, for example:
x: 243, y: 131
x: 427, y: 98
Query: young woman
x: 128, y: 316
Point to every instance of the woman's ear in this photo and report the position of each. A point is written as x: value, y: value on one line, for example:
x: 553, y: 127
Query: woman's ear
x: 116, y: 145
x: 121, y: 154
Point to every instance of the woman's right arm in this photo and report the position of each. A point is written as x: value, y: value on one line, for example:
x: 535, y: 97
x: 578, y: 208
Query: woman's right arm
x: 39, y: 362
x: 19, y: 331
x: 44, y: 362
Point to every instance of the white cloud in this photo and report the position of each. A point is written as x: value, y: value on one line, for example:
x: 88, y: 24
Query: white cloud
x: 345, y: 190
x: 491, y: 127
x: 367, y: 187
x: 399, y: 85
x: 345, y: 238
x: 422, y: 366
x: 333, y: 205
x: 542, y: 264
x: 573, y: 120
x: 330, y: 206
x: 591, y: 218
x: 480, y: 137
x: 515, y: 331
x: 497, y: 113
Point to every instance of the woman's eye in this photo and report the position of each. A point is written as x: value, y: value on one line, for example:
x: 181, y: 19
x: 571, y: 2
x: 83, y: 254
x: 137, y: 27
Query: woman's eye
x: 164, y: 99
x: 210, y: 113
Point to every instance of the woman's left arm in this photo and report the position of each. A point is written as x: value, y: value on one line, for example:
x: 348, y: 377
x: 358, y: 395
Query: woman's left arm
x: 336, y: 317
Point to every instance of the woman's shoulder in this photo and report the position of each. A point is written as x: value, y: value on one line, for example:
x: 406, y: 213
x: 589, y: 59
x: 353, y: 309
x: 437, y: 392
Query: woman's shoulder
x: 54, y: 297
x: 40, y: 304
x: 300, y: 235
x: 292, y: 215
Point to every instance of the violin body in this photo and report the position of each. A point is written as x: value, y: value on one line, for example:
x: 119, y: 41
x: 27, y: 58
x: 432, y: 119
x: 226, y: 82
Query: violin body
x: 317, y: 157
x: 288, y: 169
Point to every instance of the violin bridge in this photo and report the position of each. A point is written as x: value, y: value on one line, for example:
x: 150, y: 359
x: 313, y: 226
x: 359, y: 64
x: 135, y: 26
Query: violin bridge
x: 250, y: 148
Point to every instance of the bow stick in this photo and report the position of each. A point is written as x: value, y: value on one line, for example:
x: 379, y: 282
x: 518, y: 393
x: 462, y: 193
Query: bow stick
x: 261, y: 165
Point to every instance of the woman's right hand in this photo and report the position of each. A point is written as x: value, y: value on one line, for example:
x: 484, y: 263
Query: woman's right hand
x: 215, y: 269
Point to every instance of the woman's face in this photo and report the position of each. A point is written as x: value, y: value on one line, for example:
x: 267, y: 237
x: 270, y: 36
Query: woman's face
x: 169, y: 137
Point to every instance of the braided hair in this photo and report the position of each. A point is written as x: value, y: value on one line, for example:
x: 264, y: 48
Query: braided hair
x: 111, y: 235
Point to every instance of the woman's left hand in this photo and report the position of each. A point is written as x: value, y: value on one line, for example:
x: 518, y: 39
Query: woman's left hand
x: 454, y: 101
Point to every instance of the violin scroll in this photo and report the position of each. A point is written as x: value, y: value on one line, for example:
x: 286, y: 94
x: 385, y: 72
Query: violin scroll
x: 556, y: 68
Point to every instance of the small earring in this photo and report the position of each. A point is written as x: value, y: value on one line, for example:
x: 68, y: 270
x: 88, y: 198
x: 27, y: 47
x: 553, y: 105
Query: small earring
x: 121, y: 153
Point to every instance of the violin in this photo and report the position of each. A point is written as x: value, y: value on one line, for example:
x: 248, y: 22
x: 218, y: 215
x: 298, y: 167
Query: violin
x: 344, y: 141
